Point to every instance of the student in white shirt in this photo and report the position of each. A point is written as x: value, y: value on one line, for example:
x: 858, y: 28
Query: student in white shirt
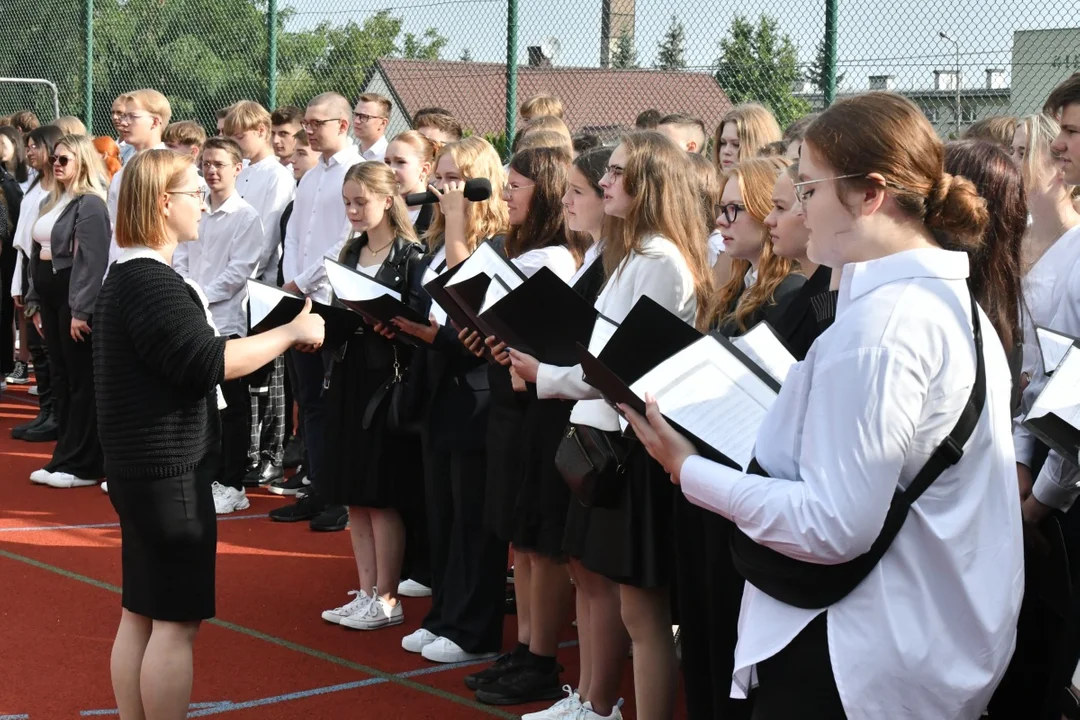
x: 928, y: 633
x: 284, y: 124
x: 146, y: 113
x: 657, y: 248
x: 267, y: 186
x: 185, y: 137
x: 437, y: 124
x: 318, y: 228
x: 369, y: 120
x: 220, y: 263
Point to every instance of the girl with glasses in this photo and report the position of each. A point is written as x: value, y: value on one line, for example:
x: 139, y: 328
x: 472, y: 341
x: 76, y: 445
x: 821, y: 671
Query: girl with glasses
x: 69, y: 255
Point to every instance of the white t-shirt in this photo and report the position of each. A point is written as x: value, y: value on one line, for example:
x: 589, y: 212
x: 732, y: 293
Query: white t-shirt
x: 42, y: 232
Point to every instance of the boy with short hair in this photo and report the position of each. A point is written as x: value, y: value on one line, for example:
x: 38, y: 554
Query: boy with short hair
x: 284, y: 124
x: 220, y: 263
x: 369, y: 120
x: 267, y: 186
x: 686, y: 131
x: 437, y: 125
x: 541, y: 104
x: 184, y: 137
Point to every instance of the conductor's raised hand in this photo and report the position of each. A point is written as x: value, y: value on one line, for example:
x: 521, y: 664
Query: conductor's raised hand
x: 666, y: 445
x: 308, y: 329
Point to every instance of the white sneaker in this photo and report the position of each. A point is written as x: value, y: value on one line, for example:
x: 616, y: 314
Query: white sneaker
x: 379, y: 613
x: 40, y: 477
x: 105, y: 487
x: 413, y: 589
x: 34, y: 391
x: 566, y: 709
x: 67, y: 480
x: 445, y: 650
x: 585, y: 712
x: 228, y: 499
x: 355, y: 605
x: 417, y: 641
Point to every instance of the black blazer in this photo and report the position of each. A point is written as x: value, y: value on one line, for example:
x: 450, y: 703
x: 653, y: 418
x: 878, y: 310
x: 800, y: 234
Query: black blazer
x: 771, y: 312
x: 810, y: 313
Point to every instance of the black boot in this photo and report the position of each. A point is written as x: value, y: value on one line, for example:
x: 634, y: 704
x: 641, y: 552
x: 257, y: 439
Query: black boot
x: 45, y: 431
x: 18, y: 431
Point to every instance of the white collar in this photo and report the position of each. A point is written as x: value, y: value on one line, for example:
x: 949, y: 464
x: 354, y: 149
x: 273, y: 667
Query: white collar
x: 338, y: 158
x: 379, y: 145
x: 139, y: 253
x: 859, y: 279
x: 231, y: 204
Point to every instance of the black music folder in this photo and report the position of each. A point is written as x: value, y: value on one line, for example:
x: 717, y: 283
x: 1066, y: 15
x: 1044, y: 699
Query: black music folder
x: 270, y: 307
x: 542, y: 317
x: 364, y: 294
x: 1054, y: 417
x: 707, y: 388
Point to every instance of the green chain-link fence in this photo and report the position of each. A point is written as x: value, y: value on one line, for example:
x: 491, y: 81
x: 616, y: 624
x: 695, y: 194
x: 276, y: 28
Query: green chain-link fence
x: 606, y: 59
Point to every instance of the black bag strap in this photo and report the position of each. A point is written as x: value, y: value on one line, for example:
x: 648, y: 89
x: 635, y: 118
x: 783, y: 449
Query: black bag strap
x: 815, y: 586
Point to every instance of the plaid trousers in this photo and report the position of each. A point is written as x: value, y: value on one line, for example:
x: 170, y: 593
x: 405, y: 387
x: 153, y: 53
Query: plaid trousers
x: 268, y: 414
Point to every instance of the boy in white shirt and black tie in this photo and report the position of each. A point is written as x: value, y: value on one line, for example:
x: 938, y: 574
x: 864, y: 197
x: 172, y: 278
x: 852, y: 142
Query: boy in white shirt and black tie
x: 220, y: 262
x: 268, y: 187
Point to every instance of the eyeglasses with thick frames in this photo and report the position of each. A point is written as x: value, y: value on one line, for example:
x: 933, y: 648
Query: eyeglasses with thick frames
x: 731, y: 211
x: 61, y: 160
x: 801, y: 194
x: 311, y: 125
x: 364, y: 118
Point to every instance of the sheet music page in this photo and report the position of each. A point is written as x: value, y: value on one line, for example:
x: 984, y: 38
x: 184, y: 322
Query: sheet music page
x: 486, y: 260
x: 767, y: 352
x: 262, y: 299
x: 1053, y: 346
x: 496, y: 291
x: 1061, y: 396
x: 436, y: 310
x: 602, y: 332
x: 709, y: 392
x: 353, y: 286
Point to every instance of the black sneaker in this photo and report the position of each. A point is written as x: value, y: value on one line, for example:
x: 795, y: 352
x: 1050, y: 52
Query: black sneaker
x: 45, y: 431
x: 294, y: 452
x: 305, y: 508
x: 332, y: 519
x: 298, y: 482
x: 503, y: 665
x: 20, y: 375
x: 263, y: 474
x: 526, y: 685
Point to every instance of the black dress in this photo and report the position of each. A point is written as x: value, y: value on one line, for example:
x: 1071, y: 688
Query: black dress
x: 368, y: 465
x: 544, y: 500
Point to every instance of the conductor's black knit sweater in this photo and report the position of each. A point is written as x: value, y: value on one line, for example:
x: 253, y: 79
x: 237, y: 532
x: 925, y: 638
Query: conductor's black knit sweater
x: 156, y: 366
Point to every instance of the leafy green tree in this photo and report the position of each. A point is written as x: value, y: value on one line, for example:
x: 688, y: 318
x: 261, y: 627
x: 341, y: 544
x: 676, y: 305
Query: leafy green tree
x: 625, y: 56
x: 816, y: 75
x: 672, y: 49
x: 466, y: 55
x: 758, y: 64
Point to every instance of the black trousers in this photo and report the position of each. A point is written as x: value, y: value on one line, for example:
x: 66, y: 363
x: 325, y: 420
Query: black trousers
x: 235, y: 433
x: 8, y: 326
x: 708, y: 593
x: 468, y: 563
x: 308, y: 372
x: 417, y: 565
x: 78, y: 450
x: 798, y: 681
x: 40, y: 357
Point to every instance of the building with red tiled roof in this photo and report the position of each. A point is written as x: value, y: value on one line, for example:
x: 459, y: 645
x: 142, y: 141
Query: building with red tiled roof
x: 596, y: 100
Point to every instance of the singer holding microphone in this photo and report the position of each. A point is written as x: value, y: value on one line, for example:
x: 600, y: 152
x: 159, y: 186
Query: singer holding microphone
x: 158, y: 365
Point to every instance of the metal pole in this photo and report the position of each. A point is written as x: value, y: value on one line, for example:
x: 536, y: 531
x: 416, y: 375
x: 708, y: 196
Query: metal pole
x: 88, y: 111
x: 831, y: 23
x: 511, y: 71
x: 271, y: 54
x: 956, y: 45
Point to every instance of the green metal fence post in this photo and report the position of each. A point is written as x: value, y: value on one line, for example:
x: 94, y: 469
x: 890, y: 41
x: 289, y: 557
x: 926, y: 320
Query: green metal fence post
x: 88, y: 109
x: 511, y: 71
x: 831, y: 22
x: 271, y: 54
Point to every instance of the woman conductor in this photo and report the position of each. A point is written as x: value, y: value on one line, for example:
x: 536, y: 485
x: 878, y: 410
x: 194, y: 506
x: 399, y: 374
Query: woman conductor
x: 157, y: 366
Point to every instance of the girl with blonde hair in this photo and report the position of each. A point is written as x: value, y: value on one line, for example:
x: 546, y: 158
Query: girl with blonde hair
x: 742, y: 133
x: 70, y: 251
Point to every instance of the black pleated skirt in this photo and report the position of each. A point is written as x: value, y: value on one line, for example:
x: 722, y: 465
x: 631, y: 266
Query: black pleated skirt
x: 168, y: 531
x: 544, y: 496
x: 631, y: 541
x: 371, y: 467
x: 505, y: 453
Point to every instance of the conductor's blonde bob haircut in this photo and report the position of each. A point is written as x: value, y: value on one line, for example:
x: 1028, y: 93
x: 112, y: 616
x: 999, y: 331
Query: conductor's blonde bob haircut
x: 140, y: 220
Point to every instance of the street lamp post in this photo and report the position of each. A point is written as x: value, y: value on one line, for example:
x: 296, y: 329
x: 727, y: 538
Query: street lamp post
x: 956, y: 44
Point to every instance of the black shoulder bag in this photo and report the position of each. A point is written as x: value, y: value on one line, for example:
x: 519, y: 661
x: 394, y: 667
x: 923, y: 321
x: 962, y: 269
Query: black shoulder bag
x: 814, y: 586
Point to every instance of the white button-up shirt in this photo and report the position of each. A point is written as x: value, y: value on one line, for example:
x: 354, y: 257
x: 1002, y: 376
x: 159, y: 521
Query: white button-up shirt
x: 112, y: 201
x: 222, y: 259
x: 318, y: 226
x: 658, y: 271
x: 377, y: 151
x: 1043, y: 285
x: 268, y: 187
x: 929, y: 633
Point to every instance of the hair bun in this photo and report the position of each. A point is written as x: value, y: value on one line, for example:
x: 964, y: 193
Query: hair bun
x: 954, y: 207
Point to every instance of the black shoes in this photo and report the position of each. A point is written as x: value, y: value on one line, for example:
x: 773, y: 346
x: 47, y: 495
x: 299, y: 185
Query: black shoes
x: 263, y: 474
x: 294, y: 485
x: 503, y: 665
x: 332, y: 519
x: 525, y: 685
x: 41, y: 429
x: 294, y: 452
x: 305, y: 508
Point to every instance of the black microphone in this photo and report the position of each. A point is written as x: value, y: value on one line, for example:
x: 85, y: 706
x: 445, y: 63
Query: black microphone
x: 476, y: 189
